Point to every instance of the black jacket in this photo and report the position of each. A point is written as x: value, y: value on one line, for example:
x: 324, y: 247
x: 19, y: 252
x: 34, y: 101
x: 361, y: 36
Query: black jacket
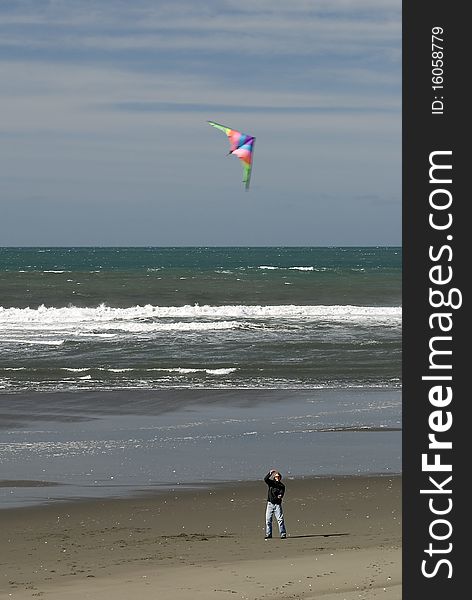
x: 276, y: 490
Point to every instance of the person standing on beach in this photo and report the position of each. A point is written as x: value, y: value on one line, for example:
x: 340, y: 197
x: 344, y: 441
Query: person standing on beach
x: 275, y: 494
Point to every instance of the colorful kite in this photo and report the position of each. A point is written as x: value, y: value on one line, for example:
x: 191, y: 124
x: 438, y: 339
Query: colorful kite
x: 242, y: 145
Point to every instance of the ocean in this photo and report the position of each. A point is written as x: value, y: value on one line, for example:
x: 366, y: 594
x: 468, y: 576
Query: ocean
x: 126, y: 369
x: 114, y: 318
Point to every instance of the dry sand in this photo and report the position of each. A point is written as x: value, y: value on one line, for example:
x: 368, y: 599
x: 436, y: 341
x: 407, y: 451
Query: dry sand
x: 344, y: 543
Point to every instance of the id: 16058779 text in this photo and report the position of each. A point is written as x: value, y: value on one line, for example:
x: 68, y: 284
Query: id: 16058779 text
x: 437, y: 70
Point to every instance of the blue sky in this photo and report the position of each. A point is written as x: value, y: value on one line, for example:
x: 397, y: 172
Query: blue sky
x: 104, y: 139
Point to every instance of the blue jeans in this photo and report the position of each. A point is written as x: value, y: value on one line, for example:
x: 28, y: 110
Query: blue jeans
x: 274, y: 509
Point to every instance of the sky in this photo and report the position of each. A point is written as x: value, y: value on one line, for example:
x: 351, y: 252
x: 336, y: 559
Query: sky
x: 104, y: 138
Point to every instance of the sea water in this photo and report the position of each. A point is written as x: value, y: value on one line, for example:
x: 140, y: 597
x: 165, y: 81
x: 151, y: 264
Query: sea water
x: 124, y: 369
x: 111, y: 318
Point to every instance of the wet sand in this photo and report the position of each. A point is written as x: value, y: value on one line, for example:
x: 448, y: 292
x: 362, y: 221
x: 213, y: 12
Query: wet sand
x: 104, y: 444
x: 344, y: 543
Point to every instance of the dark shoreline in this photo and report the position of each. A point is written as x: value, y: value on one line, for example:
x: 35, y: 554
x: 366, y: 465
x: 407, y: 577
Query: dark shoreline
x: 13, y: 483
x: 158, y: 491
x: 77, y: 405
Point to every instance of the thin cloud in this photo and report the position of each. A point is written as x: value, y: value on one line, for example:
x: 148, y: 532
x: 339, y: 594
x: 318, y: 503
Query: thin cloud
x: 106, y: 102
x: 241, y: 108
x: 250, y: 28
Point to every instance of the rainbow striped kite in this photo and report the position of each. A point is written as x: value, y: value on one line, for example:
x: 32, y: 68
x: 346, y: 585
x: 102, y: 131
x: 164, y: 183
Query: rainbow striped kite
x: 242, y: 145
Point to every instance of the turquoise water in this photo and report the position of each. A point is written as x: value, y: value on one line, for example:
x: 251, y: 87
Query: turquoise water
x: 115, y: 318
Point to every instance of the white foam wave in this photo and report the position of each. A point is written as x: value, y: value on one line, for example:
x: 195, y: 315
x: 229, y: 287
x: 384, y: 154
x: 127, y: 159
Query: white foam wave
x: 295, y: 268
x: 185, y: 371
x: 106, y: 314
x: 302, y: 268
x: 219, y: 371
x: 51, y: 326
x: 178, y: 370
x: 138, y: 327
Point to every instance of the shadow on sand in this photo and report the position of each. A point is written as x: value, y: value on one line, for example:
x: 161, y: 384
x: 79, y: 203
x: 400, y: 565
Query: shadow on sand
x: 316, y: 535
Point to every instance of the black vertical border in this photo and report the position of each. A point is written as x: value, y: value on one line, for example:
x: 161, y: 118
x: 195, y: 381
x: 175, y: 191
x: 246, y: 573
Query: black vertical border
x: 423, y: 133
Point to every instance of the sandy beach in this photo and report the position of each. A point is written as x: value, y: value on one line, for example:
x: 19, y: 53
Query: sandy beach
x: 344, y: 542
